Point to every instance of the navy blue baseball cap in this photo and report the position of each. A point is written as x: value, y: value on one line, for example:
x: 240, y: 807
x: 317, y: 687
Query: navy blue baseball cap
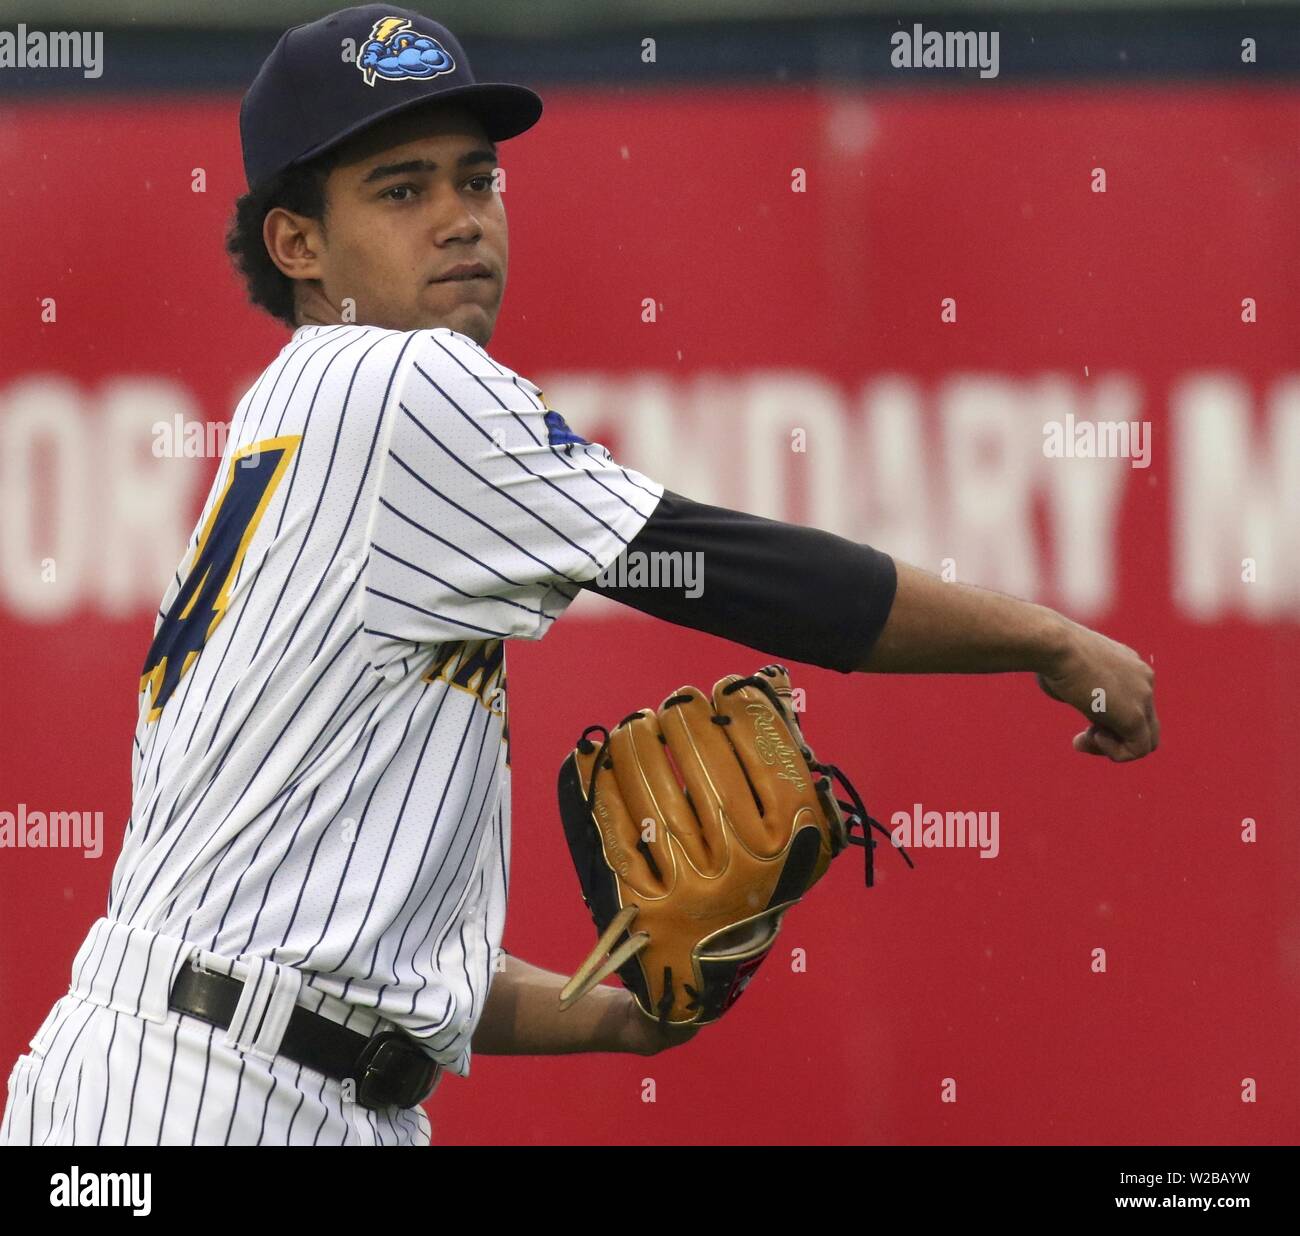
x: 330, y: 79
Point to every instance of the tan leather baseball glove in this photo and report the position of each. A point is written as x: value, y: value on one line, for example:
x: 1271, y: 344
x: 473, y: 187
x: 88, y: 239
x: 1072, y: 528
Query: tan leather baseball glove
x: 694, y: 830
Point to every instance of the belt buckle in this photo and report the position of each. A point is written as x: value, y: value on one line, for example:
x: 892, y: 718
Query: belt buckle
x: 393, y: 1072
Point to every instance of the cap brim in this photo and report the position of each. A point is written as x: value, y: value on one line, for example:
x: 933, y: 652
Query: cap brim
x: 504, y: 110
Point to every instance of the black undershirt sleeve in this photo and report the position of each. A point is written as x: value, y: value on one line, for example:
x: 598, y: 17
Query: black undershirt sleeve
x: 783, y: 589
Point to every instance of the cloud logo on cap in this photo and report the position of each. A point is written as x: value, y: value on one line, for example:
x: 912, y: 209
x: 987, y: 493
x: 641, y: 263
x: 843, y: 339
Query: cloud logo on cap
x: 396, y: 52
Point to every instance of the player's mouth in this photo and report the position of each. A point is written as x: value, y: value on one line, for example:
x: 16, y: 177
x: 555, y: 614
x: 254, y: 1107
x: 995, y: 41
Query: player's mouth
x: 463, y: 273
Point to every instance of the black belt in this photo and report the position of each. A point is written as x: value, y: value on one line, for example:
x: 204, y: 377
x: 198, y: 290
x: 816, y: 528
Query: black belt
x: 388, y: 1069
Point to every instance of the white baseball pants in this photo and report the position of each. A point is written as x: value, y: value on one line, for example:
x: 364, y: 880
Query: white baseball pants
x: 112, y: 1065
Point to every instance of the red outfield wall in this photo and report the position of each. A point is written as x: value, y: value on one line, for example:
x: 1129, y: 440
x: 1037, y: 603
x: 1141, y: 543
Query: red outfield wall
x: 784, y: 320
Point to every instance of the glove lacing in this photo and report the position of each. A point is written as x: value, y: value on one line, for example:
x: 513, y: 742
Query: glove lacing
x: 856, y: 814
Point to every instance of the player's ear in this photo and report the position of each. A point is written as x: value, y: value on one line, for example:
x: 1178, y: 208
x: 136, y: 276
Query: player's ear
x: 294, y: 242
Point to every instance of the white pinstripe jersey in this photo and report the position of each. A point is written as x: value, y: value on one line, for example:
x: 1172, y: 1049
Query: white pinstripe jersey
x: 321, y: 764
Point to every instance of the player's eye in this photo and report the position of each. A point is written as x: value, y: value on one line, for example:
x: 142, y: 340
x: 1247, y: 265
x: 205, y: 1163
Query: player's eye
x: 409, y: 190
x: 484, y: 182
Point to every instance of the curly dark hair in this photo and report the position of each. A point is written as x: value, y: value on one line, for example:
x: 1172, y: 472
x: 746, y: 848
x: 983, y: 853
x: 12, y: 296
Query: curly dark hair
x: 300, y: 189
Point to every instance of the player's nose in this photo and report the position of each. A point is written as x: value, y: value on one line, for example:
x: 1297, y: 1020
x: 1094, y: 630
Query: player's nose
x: 455, y: 217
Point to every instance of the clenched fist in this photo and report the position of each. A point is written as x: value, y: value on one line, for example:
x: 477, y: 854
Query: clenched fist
x: 1113, y: 687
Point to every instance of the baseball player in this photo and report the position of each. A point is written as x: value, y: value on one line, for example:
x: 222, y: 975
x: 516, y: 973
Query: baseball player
x: 305, y: 922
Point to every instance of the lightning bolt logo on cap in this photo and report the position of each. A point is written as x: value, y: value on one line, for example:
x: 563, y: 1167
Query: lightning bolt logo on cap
x: 397, y: 52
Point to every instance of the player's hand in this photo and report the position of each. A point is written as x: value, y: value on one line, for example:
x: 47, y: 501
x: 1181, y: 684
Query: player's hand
x: 643, y: 1037
x: 1113, y: 687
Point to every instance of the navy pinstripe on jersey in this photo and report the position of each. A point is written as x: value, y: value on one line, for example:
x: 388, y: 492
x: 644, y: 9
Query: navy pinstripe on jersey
x: 323, y: 780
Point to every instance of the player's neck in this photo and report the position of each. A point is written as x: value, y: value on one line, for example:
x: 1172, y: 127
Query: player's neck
x: 312, y: 308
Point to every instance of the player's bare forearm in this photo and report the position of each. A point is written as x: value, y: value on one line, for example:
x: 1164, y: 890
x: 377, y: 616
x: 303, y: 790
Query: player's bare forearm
x: 935, y: 627
x: 949, y: 628
x: 523, y: 1017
